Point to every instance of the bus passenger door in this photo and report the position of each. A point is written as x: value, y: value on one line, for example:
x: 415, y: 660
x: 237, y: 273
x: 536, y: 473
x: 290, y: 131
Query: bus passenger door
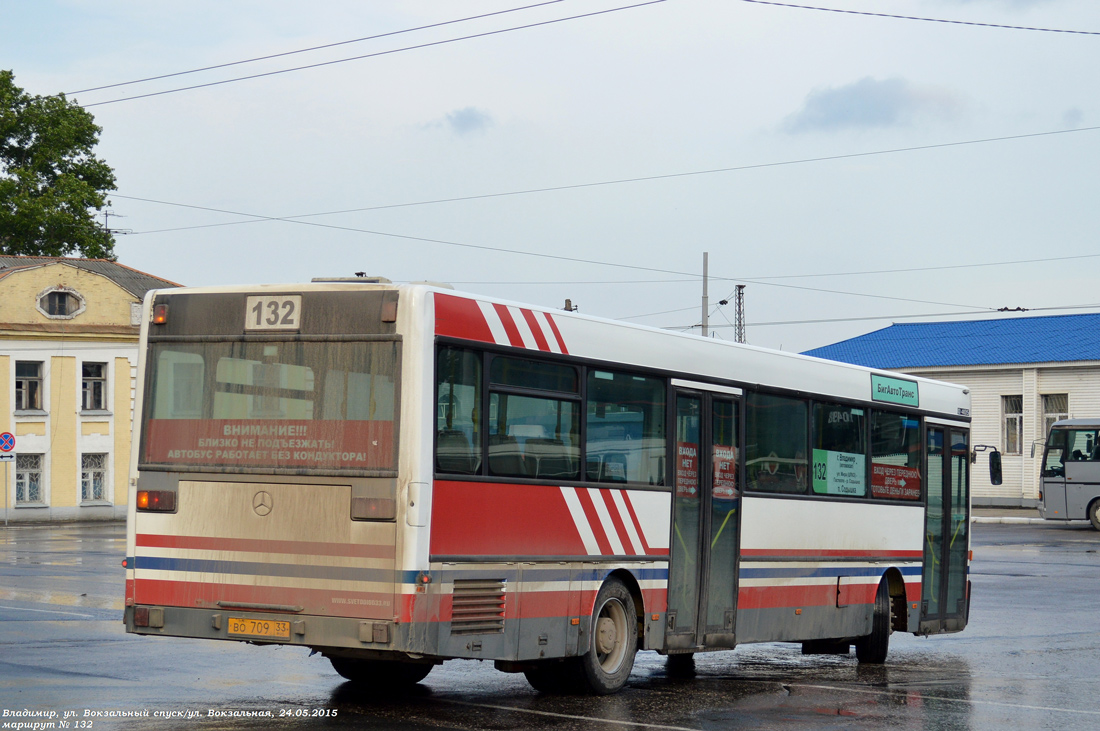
x: 702, y: 581
x: 944, y: 588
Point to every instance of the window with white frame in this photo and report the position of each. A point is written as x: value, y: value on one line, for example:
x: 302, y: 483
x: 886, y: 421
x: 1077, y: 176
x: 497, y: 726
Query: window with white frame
x: 93, y: 477
x: 1012, y: 409
x: 1055, y: 408
x: 93, y: 388
x: 60, y: 303
x: 28, y: 385
x: 28, y: 479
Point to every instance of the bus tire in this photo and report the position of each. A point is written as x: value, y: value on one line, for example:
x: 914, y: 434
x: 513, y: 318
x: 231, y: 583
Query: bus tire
x: 1094, y: 514
x: 606, y: 666
x: 381, y: 674
x: 871, y: 649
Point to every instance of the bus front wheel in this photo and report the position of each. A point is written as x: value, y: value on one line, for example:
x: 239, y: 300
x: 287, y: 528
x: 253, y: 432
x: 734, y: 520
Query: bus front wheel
x: 606, y: 665
x: 387, y: 674
x: 1094, y: 514
x: 871, y: 649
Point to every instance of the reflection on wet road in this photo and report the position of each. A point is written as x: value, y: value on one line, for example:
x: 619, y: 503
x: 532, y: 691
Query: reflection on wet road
x: 1028, y: 660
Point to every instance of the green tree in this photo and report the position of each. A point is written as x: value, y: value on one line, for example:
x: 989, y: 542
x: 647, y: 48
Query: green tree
x: 50, y: 182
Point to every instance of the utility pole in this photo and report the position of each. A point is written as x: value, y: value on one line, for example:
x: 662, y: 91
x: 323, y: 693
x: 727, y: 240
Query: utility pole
x: 706, y: 300
x: 739, y: 315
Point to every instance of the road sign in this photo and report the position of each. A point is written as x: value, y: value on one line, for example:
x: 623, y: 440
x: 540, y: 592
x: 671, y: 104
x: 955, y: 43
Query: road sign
x: 7, y: 456
x: 7, y: 442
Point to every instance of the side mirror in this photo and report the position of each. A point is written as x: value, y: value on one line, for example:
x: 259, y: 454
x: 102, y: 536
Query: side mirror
x: 994, y: 461
x: 1042, y: 442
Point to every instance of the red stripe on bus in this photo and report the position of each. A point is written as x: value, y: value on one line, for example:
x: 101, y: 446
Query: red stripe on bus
x: 765, y: 553
x: 521, y: 604
x: 557, y: 333
x: 202, y: 595
x: 509, y: 326
x: 252, y: 545
x: 617, y: 521
x: 458, y: 317
x: 594, y: 522
x: 498, y: 519
x: 536, y: 330
x: 776, y: 597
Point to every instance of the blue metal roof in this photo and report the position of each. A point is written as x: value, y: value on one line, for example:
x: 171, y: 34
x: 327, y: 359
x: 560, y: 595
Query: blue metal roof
x: 1050, y: 339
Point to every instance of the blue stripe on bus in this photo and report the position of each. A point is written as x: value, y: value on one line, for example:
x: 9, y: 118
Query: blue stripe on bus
x: 344, y: 573
x: 250, y: 568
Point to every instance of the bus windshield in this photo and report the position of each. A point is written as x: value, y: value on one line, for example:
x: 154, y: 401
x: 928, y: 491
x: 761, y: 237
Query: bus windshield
x: 283, y: 405
x: 1070, y: 445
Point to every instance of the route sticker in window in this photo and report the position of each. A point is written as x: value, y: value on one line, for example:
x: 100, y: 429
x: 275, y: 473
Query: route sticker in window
x: 273, y: 312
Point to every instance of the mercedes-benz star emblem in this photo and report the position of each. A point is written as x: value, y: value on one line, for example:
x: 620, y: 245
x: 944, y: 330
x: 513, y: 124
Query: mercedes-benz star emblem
x: 262, y: 502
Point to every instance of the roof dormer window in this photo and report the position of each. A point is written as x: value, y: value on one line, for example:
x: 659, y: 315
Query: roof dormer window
x: 60, y: 303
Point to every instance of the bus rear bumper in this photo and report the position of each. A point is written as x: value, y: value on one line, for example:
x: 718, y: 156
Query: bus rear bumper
x: 347, y: 636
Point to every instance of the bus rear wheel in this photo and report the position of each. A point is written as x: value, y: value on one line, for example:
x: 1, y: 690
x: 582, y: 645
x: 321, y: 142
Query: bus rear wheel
x: 606, y: 666
x: 1094, y: 514
x: 381, y: 674
x: 871, y: 649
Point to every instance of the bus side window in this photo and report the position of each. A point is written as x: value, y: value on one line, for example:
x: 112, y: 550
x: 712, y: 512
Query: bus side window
x: 776, y: 444
x: 458, y: 400
x: 839, y: 452
x: 625, y: 422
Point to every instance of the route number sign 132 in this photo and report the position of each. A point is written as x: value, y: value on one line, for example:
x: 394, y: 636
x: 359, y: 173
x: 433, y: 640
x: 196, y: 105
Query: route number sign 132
x: 273, y: 312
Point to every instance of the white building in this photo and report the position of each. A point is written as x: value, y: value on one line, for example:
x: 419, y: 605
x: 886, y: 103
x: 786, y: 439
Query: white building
x: 1023, y: 373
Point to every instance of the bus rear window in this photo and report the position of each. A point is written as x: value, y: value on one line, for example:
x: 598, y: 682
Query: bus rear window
x: 283, y: 405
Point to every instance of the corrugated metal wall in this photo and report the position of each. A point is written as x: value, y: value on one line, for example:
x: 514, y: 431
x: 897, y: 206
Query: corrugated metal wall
x: 987, y: 386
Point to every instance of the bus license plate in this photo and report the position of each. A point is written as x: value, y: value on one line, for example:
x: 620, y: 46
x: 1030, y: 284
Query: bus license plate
x: 259, y: 628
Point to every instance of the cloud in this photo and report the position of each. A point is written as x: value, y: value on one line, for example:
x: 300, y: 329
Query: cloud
x: 869, y: 104
x: 468, y: 120
x: 1073, y: 118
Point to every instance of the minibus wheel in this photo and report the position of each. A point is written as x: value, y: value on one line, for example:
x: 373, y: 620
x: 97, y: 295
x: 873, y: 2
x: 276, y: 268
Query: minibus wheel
x: 1094, y: 513
x: 381, y: 673
x: 606, y: 666
x: 872, y: 648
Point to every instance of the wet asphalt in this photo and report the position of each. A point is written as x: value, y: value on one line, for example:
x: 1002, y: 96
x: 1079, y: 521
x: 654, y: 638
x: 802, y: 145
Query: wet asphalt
x: 1030, y: 659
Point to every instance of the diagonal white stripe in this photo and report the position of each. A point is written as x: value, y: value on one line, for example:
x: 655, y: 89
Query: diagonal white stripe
x: 605, y: 520
x: 588, y: 538
x: 525, y: 333
x: 624, y: 515
x: 492, y: 319
x: 547, y: 331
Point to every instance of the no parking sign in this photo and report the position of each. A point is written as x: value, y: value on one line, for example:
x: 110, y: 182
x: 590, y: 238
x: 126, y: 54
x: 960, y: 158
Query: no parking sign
x: 7, y: 447
x: 7, y: 444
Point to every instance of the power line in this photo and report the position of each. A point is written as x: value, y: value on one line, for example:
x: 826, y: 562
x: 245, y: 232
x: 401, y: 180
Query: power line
x: 926, y: 20
x: 621, y: 181
x: 376, y: 54
x: 313, y: 48
x: 520, y: 252
x: 865, y: 318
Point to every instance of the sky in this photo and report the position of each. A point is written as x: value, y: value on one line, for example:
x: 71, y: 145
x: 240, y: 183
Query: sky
x: 851, y: 170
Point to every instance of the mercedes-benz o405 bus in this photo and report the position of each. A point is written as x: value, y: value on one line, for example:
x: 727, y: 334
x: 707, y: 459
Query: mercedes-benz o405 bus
x: 394, y: 476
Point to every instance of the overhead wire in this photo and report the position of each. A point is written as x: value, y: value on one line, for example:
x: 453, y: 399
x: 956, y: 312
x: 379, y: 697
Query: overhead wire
x: 637, y: 179
x: 313, y: 48
x: 377, y: 53
x: 926, y: 20
x: 541, y: 255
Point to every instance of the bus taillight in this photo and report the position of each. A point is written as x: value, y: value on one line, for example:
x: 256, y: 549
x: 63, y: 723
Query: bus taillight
x: 373, y: 508
x: 157, y: 501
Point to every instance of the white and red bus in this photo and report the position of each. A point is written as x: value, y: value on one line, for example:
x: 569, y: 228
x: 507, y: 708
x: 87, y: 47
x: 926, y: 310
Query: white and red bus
x: 399, y: 475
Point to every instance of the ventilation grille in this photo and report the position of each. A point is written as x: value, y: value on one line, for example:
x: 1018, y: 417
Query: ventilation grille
x: 477, y: 607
